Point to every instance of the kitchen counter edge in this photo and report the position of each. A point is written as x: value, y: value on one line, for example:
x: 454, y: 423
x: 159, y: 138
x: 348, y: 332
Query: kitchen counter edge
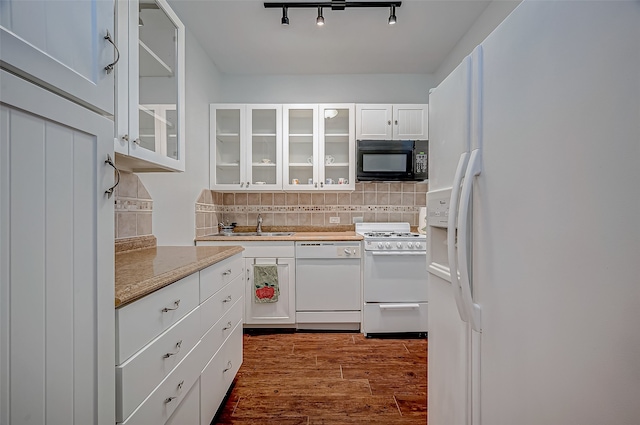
x: 296, y: 236
x: 141, y: 272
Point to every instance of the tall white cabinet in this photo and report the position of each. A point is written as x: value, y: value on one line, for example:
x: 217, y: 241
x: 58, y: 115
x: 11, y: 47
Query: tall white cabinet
x: 392, y: 122
x: 57, y: 332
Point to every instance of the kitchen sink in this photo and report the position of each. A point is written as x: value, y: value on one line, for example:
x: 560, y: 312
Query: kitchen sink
x: 255, y: 234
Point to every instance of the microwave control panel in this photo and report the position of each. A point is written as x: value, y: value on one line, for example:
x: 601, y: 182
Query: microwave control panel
x: 421, y: 163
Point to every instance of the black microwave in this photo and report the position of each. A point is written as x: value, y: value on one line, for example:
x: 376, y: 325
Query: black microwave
x: 392, y: 160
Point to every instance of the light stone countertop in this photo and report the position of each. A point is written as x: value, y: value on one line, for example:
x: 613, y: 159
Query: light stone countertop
x: 141, y: 272
x: 297, y: 236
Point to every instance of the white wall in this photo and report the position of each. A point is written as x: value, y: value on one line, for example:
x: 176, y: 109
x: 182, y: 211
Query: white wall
x: 356, y: 88
x: 174, y: 194
x: 492, y: 16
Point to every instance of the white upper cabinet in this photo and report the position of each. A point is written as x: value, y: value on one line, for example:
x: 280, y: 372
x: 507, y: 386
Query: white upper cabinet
x: 62, y: 46
x: 319, y: 147
x: 392, y: 122
x: 246, y: 147
x: 150, y: 130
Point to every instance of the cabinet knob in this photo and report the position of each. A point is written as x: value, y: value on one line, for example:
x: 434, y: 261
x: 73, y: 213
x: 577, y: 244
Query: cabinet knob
x: 247, y: 184
x: 227, y: 300
x: 226, y: 273
x: 178, y: 345
x: 125, y: 137
x: 169, y: 400
x: 241, y: 184
x: 227, y: 327
x: 389, y: 122
x: 136, y: 141
x: 396, y: 122
x: 229, y: 366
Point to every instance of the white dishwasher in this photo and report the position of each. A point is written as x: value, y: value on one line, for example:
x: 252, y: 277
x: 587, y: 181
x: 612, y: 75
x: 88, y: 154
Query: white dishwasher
x: 328, y: 285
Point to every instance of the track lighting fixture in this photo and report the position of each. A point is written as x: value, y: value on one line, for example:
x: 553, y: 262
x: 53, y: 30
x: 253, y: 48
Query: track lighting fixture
x: 320, y: 18
x: 392, y: 15
x: 334, y: 5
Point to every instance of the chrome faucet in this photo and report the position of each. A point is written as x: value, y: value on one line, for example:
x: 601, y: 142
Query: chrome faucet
x: 259, y: 227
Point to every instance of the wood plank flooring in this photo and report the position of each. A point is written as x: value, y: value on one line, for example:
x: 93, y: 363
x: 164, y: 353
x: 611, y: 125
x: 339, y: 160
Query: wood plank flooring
x: 328, y: 378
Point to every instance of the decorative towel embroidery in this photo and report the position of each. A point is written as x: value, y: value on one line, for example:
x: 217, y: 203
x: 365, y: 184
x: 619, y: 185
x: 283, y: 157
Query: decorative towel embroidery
x: 265, y: 278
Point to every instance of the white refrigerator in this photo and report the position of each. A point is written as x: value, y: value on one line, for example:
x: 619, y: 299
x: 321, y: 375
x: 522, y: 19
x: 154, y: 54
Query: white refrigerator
x: 534, y: 222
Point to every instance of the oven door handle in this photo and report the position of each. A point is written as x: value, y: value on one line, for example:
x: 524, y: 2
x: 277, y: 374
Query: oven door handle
x: 404, y: 306
x: 398, y: 252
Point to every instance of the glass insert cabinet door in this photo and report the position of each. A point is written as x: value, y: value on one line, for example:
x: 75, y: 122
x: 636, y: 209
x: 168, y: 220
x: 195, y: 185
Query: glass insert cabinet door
x: 246, y: 147
x: 319, y: 147
x: 301, y: 147
x: 227, y: 131
x: 337, y: 146
x: 157, y: 53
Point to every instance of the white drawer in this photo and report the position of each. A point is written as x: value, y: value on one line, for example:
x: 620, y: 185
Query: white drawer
x: 141, y: 373
x: 220, y: 331
x: 188, y: 412
x: 143, y: 320
x: 164, y: 400
x: 218, y: 304
x: 215, y: 277
x: 395, y: 317
x: 218, y: 375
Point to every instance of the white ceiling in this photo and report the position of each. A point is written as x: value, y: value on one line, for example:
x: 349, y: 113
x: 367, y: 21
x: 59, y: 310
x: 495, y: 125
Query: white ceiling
x: 243, y: 37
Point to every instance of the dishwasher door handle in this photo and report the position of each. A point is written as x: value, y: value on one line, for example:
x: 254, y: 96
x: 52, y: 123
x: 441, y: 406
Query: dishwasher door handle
x: 398, y: 253
x: 404, y: 306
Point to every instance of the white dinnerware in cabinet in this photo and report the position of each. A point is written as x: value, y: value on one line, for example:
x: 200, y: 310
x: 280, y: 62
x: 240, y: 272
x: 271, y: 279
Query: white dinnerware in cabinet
x: 319, y: 147
x: 246, y: 147
x: 150, y: 85
x: 392, y: 122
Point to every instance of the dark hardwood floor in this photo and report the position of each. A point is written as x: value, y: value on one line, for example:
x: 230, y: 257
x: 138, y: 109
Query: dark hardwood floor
x: 328, y: 378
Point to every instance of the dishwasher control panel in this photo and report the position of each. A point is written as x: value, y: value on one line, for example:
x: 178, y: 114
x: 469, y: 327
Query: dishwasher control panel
x: 322, y: 250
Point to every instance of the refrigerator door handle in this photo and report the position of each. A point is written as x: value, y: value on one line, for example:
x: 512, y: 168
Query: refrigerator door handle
x: 464, y: 228
x: 451, y: 234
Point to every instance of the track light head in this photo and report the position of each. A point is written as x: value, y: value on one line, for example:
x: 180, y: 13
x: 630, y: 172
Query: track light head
x: 285, y: 18
x: 320, y: 18
x: 392, y: 15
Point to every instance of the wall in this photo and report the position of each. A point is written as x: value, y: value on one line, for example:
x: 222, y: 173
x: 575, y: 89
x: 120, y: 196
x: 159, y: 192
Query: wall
x: 174, y: 194
x: 374, y: 88
x: 373, y: 202
x: 133, y: 207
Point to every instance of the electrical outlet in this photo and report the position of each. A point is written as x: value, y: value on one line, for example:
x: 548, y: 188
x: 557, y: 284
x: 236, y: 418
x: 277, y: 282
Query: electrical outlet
x: 334, y: 220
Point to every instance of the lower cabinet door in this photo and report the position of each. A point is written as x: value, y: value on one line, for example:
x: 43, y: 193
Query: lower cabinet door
x: 188, y: 412
x: 282, y: 311
x: 217, y: 376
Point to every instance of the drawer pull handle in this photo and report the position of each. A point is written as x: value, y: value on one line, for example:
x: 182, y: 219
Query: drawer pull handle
x: 229, y: 366
x: 226, y: 273
x: 227, y: 300
x: 169, y: 399
x: 227, y: 327
x: 178, y: 345
x: 176, y: 303
x: 180, y: 385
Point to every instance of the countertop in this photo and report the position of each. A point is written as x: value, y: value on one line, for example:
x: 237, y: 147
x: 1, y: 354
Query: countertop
x: 296, y: 236
x: 141, y: 272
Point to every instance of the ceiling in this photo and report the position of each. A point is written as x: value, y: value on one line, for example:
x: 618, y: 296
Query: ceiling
x: 243, y: 37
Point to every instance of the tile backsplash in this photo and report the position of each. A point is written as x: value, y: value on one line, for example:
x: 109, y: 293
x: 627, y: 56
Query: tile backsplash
x: 373, y: 202
x: 133, y: 207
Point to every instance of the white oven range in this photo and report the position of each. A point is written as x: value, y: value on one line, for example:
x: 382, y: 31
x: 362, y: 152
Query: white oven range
x: 395, y: 279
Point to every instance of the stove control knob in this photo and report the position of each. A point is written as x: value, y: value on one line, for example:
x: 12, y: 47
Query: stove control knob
x: 410, y: 244
x: 418, y: 245
x: 387, y: 245
x: 379, y: 244
x: 399, y: 245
